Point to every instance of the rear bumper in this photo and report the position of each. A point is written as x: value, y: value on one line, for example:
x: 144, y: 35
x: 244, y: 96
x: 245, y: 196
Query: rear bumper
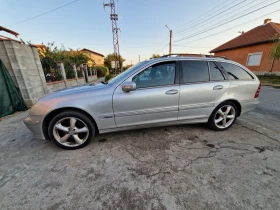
x: 34, y: 124
x: 247, y: 106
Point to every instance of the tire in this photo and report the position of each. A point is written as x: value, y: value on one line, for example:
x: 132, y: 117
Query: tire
x: 71, y: 130
x: 223, y: 117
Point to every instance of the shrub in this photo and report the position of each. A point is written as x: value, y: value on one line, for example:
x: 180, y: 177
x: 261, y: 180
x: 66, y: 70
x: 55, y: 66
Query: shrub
x: 108, y: 77
x: 70, y: 74
x: 101, y: 71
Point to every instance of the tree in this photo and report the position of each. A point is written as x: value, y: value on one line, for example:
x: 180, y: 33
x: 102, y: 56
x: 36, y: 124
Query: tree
x: 111, y: 57
x: 156, y: 56
x: 51, y: 54
x: 275, y: 52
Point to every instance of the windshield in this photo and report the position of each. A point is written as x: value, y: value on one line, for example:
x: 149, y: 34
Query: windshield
x: 126, y: 73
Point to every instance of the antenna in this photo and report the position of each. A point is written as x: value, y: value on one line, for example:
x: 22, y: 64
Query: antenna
x: 114, y: 18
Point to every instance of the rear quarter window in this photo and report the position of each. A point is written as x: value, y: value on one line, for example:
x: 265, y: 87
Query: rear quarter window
x: 235, y: 72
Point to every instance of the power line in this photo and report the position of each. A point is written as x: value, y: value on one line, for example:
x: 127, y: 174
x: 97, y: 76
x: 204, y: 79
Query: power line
x: 191, y: 46
x: 231, y: 27
x: 225, y: 22
x: 201, y: 15
x: 211, y: 16
x: 47, y: 12
x: 246, y: 10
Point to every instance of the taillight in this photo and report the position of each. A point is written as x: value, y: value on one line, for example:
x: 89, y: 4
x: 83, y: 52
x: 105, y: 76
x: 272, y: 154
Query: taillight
x: 258, y: 91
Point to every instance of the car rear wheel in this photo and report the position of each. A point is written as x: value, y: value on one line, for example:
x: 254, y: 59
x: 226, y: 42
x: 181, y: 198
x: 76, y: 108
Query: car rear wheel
x: 71, y: 130
x: 223, y: 117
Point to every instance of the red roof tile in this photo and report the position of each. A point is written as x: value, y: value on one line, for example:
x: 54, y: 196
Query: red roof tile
x: 260, y: 34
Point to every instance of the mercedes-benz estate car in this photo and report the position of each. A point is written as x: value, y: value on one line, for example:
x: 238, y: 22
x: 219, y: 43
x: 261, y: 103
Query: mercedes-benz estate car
x: 158, y: 92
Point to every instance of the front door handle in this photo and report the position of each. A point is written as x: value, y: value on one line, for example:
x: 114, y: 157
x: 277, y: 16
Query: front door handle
x: 218, y: 87
x: 171, y: 92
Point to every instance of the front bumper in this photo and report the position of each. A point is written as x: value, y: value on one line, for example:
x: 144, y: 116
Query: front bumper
x: 34, y: 124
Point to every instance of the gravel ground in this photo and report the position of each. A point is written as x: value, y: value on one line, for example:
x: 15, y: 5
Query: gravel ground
x: 175, y: 167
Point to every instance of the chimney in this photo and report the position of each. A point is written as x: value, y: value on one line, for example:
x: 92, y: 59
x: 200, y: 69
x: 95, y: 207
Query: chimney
x: 267, y: 20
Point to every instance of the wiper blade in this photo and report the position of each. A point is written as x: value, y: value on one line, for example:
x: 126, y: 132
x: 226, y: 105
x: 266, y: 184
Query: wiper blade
x: 105, y: 83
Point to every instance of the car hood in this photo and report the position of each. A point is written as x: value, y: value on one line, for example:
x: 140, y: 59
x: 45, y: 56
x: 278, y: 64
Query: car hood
x: 91, y: 88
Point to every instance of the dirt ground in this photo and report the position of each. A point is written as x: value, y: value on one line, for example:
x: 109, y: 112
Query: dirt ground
x: 177, y: 167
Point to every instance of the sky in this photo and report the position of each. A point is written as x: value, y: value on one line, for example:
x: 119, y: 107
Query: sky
x: 198, y: 26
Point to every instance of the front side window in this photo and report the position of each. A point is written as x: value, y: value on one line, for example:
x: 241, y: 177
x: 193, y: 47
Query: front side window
x: 215, y: 72
x: 156, y: 75
x: 235, y: 72
x: 195, y: 71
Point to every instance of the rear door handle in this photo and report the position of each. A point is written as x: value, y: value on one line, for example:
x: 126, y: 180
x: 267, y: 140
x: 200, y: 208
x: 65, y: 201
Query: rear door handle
x: 171, y: 92
x: 218, y: 87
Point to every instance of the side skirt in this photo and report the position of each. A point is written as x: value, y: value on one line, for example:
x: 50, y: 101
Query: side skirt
x: 192, y: 121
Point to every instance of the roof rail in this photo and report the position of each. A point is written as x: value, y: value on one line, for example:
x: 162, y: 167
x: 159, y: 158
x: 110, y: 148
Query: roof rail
x: 193, y: 55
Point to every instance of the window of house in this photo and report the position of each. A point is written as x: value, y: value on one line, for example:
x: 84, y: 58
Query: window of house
x: 254, y: 59
x: 156, y: 75
x: 235, y: 72
x: 215, y: 72
x: 195, y: 71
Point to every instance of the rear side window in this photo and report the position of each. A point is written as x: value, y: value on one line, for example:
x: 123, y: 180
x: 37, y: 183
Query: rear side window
x: 194, y: 71
x: 215, y: 72
x: 235, y: 72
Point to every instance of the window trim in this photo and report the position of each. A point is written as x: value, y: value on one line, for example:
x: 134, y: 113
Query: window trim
x: 197, y: 82
x: 226, y: 78
x: 176, y: 77
x: 255, y: 53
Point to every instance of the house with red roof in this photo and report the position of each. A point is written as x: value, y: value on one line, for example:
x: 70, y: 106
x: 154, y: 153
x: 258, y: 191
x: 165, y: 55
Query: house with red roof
x: 97, y: 58
x: 252, y: 48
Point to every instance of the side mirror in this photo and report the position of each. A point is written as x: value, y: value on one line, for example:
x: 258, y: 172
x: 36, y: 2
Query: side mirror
x: 129, y: 86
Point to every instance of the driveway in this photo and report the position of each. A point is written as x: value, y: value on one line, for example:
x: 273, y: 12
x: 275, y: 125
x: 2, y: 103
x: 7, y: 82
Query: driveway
x: 175, y: 167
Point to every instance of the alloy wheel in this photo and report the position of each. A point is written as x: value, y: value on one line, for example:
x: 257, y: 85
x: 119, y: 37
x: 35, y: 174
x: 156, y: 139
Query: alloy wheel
x: 70, y: 132
x: 224, y: 116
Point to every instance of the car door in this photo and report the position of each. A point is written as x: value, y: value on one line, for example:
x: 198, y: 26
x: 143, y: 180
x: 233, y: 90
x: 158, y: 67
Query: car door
x: 202, y: 84
x: 155, y: 99
x: 243, y: 84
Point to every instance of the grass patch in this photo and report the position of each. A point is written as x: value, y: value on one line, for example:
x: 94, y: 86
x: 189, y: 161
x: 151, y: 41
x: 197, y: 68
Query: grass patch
x: 270, y: 80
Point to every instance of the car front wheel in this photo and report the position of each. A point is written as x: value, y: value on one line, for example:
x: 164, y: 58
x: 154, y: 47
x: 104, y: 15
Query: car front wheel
x: 223, y: 117
x: 71, y: 130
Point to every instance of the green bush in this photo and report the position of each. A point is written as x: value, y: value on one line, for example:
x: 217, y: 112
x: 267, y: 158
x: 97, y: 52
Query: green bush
x: 108, y: 77
x: 70, y: 74
x: 101, y: 71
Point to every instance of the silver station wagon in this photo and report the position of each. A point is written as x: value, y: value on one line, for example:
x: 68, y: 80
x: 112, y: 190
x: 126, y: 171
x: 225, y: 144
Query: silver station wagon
x: 166, y: 91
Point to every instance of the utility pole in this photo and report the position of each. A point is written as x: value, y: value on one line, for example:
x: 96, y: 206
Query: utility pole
x: 170, y: 40
x: 114, y: 18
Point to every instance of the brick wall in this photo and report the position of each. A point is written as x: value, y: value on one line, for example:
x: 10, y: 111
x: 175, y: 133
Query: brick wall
x: 240, y: 55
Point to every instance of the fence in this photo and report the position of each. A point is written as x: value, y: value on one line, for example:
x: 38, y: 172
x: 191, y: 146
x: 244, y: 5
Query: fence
x: 72, y: 75
x: 51, y: 70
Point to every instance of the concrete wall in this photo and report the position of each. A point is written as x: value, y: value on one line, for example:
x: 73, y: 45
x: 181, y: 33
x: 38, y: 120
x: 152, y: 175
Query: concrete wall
x: 53, y: 86
x: 240, y: 55
x: 24, y: 66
